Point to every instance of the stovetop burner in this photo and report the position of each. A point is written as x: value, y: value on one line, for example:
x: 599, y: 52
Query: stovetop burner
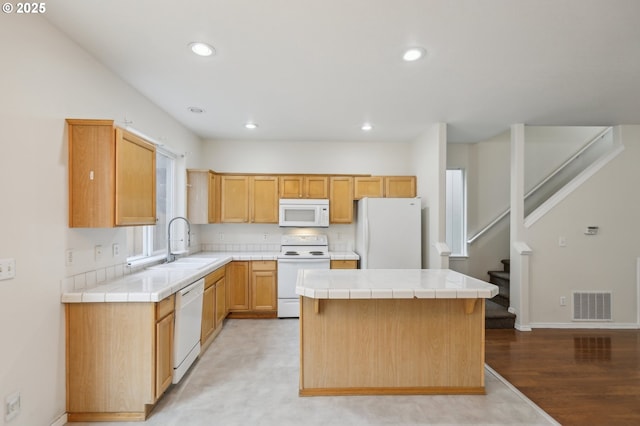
x: 291, y: 253
x: 316, y: 253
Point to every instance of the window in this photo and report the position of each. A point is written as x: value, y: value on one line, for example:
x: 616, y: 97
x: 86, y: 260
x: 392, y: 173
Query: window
x: 147, y: 241
x: 456, y: 212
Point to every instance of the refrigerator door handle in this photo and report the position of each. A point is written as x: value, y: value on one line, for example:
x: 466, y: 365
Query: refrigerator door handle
x: 366, y: 235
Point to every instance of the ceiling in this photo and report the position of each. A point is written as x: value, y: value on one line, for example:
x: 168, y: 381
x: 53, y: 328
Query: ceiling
x: 316, y: 70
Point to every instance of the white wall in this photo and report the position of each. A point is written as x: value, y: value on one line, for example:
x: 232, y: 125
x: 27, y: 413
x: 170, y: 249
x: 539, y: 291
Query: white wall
x: 429, y: 160
x: 307, y: 157
x: 487, y: 169
x: 487, y: 164
x: 45, y: 79
x: 607, y: 261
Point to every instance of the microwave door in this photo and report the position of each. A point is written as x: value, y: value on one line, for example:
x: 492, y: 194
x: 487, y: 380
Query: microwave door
x: 298, y: 216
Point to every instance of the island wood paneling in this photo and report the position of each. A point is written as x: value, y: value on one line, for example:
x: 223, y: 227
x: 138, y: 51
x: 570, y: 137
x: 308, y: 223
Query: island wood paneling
x: 391, y: 346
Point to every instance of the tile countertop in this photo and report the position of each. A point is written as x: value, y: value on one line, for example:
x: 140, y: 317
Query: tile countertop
x: 153, y: 285
x: 391, y: 284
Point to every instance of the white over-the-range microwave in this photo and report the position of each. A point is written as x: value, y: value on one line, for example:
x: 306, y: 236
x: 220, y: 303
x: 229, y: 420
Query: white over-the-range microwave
x: 308, y: 213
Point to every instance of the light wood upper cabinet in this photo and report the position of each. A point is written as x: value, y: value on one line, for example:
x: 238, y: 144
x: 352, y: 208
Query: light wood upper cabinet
x: 234, y: 199
x: 112, y: 176
x: 264, y: 199
x: 304, y: 186
x: 368, y: 186
x: 400, y: 186
x: 135, y: 180
x: 384, y: 186
x: 341, y: 199
x: 203, y: 196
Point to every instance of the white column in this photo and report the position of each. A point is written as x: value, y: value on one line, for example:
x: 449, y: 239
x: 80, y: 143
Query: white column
x: 520, y: 252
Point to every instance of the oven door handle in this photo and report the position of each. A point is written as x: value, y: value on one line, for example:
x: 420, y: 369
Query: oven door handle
x: 303, y: 260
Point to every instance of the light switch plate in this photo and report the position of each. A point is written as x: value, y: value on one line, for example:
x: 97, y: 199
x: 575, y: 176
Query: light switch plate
x: 7, y: 269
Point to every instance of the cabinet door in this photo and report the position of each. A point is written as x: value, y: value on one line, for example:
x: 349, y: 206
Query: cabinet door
x: 291, y: 186
x: 208, y: 313
x: 264, y: 199
x: 264, y: 295
x: 91, y: 173
x: 221, y: 307
x: 234, y: 196
x: 400, y: 186
x: 369, y: 186
x: 237, y: 279
x: 203, y: 201
x: 164, y: 354
x: 214, y: 198
x: 316, y: 187
x: 341, y: 199
x: 135, y: 180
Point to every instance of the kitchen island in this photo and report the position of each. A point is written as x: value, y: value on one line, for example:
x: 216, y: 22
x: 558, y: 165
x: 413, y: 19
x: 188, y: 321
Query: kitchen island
x: 383, y: 331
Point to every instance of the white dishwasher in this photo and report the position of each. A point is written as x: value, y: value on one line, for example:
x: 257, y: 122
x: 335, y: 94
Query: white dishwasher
x: 186, y: 341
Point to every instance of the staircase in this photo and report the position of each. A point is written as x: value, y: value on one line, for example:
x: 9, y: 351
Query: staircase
x: 496, y: 314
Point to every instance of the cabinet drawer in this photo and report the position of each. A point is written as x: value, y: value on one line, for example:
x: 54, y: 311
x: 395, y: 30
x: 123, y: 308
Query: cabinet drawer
x: 263, y: 265
x: 213, y: 277
x: 344, y: 264
x: 165, y: 306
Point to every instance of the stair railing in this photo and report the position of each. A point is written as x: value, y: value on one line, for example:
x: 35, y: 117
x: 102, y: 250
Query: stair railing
x: 540, y: 184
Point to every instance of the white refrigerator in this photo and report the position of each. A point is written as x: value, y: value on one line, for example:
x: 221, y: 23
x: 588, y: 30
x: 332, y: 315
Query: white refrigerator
x: 388, y: 233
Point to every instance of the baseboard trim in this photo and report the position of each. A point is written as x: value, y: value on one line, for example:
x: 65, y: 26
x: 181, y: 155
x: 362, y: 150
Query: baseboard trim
x: 587, y: 326
x: 60, y: 421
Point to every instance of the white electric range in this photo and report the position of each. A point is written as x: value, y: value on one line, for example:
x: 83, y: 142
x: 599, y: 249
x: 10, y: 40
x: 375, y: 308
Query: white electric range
x: 298, y: 251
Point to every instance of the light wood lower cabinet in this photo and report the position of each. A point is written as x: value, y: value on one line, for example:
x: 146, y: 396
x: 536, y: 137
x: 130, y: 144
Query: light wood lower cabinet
x: 344, y: 264
x: 119, y: 358
x: 213, y: 312
x: 252, y: 289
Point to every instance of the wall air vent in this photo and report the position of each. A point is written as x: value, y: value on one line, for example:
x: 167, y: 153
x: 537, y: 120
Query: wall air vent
x: 591, y: 306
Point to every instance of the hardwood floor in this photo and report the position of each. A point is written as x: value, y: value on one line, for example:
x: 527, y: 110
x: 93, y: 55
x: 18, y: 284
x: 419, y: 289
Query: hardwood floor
x: 579, y: 377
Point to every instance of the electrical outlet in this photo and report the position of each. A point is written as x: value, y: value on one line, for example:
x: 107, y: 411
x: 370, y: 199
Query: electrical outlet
x: 68, y: 256
x: 7, y: 269
x: 562, y: 241
x: 11, y: 406
x: 98, y: 252
x: 265, y: 237
x: 116, y: 250
x: 563, y: 301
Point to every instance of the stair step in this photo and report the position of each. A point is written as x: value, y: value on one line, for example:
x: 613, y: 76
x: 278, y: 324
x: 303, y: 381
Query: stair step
x: 502, y: 280
x: 497, y: 316
x: 501, y: 299
x: 506, y: 265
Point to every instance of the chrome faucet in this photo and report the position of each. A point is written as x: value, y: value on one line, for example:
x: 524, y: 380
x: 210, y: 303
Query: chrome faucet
x: 170, y: 256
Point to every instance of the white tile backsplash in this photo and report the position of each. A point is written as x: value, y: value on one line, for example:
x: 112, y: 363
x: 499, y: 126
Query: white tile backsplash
x: 91, y: 279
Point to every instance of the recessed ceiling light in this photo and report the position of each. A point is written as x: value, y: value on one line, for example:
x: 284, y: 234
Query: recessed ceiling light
x: 196, y: 110
x: 366, y: 127
x: 251, y: 126
x: 201, y: 49
x: 413, y: 54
